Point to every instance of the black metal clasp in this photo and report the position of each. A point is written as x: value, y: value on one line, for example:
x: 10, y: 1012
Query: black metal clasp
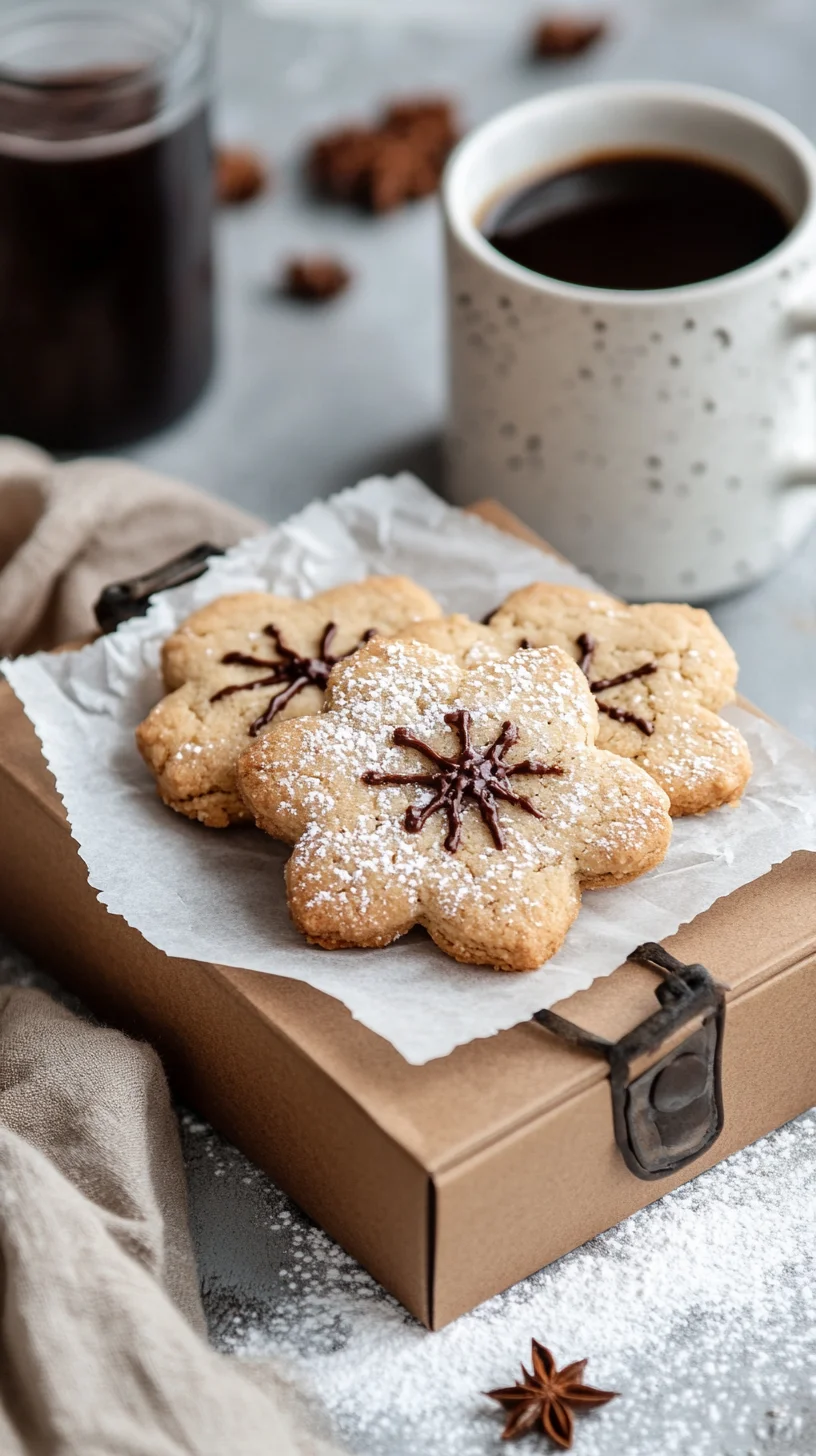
x: 666, y: 1115
x: 125, y: 599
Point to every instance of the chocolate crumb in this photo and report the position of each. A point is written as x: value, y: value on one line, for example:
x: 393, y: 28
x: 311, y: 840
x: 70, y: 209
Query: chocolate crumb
x: 381, y: 167
x: 240, y: 175
x: 399, y: 173
x: 560, y: 36
x: 339, y: 161
x: 315, y: 279
x: 428, y: 124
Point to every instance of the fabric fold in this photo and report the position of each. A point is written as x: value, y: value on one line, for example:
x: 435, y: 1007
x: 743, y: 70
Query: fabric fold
x: 67, y: 530
x: 102, y: 1349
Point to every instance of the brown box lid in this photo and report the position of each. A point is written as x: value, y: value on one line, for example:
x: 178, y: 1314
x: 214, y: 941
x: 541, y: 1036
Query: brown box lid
x: 451, y: 1180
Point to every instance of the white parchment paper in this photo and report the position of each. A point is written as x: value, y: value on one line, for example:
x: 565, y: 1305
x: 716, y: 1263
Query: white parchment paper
x: 218, y: 895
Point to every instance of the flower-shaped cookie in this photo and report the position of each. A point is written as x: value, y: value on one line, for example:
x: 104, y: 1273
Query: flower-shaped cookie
x: 659, y: 674
x: 246, y: 661
x: 471, y: 643
x: 473, y: 802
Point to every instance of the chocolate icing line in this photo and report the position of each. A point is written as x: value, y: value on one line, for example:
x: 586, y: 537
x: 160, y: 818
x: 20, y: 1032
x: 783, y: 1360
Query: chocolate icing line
x: 474, y: 773
x: 296, y: 671
x: 587, y: 645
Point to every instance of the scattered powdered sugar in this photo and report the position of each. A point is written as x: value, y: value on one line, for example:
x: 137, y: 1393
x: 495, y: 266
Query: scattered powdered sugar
x: 480, y: 652
x: 692, y: 758
x: 700, y: 1311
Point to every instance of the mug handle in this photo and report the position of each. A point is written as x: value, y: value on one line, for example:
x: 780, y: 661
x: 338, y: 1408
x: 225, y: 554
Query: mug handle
x: 802, y: 472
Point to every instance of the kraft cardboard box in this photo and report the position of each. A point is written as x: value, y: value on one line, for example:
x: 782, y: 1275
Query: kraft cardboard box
x: 451, y: 1181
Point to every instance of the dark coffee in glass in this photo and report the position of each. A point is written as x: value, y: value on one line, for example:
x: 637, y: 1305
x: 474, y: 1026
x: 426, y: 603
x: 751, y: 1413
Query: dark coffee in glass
x: 637, y: 220
x: 105, y: 218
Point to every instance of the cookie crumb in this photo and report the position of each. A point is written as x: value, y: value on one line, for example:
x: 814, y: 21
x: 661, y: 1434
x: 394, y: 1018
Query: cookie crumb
x: 381, y: 167
x: 315, y: 279
x: 558, y: 37
x: 240, y: 175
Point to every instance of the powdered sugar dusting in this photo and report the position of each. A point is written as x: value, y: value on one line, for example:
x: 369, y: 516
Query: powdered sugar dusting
x: 693, y: 758
x: 357, y: 876
x: 700, y: 1311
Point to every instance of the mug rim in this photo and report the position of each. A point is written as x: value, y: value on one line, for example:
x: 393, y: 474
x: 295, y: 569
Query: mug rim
x: 468, y: 234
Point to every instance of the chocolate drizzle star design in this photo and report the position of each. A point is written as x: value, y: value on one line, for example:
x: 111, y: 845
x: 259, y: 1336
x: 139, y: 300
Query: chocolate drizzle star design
x: 587, y: 646
x: 475, y: 773
x: 290, y: 668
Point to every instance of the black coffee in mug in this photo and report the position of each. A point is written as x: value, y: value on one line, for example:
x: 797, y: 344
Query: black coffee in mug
x: 637, y: 220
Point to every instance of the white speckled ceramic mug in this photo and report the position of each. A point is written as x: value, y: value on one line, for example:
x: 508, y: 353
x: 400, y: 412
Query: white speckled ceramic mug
x: 665, y: 441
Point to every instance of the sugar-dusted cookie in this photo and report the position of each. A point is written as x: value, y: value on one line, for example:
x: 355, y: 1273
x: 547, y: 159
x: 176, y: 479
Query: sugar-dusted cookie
x: 245, y: 661
x: 471, y: 643
x: 471, y: 801
x: 659, y: 674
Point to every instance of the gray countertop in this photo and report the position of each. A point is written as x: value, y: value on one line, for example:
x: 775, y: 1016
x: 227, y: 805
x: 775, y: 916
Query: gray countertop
x: 305, y: 402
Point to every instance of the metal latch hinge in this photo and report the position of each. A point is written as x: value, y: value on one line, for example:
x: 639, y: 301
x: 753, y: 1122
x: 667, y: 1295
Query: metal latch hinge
x: 125, y: 599
x: 672, y: 1112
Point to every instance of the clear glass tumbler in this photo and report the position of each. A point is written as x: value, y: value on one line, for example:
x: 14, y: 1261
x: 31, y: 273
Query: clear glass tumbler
x: 106, y: 307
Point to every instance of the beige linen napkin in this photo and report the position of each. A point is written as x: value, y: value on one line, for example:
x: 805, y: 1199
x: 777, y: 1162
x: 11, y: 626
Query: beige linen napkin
x: 101, y: 1330
x: 102, y: 1339
x: 66, y: 531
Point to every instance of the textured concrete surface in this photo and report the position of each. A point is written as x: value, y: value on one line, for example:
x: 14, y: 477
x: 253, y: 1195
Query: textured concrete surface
x: 305, y: 402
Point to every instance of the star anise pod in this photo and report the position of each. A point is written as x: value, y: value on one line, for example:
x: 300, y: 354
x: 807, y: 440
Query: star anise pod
x: 548, y: 1396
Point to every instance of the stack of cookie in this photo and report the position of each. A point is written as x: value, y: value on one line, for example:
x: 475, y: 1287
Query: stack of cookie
x: 434, y: 771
